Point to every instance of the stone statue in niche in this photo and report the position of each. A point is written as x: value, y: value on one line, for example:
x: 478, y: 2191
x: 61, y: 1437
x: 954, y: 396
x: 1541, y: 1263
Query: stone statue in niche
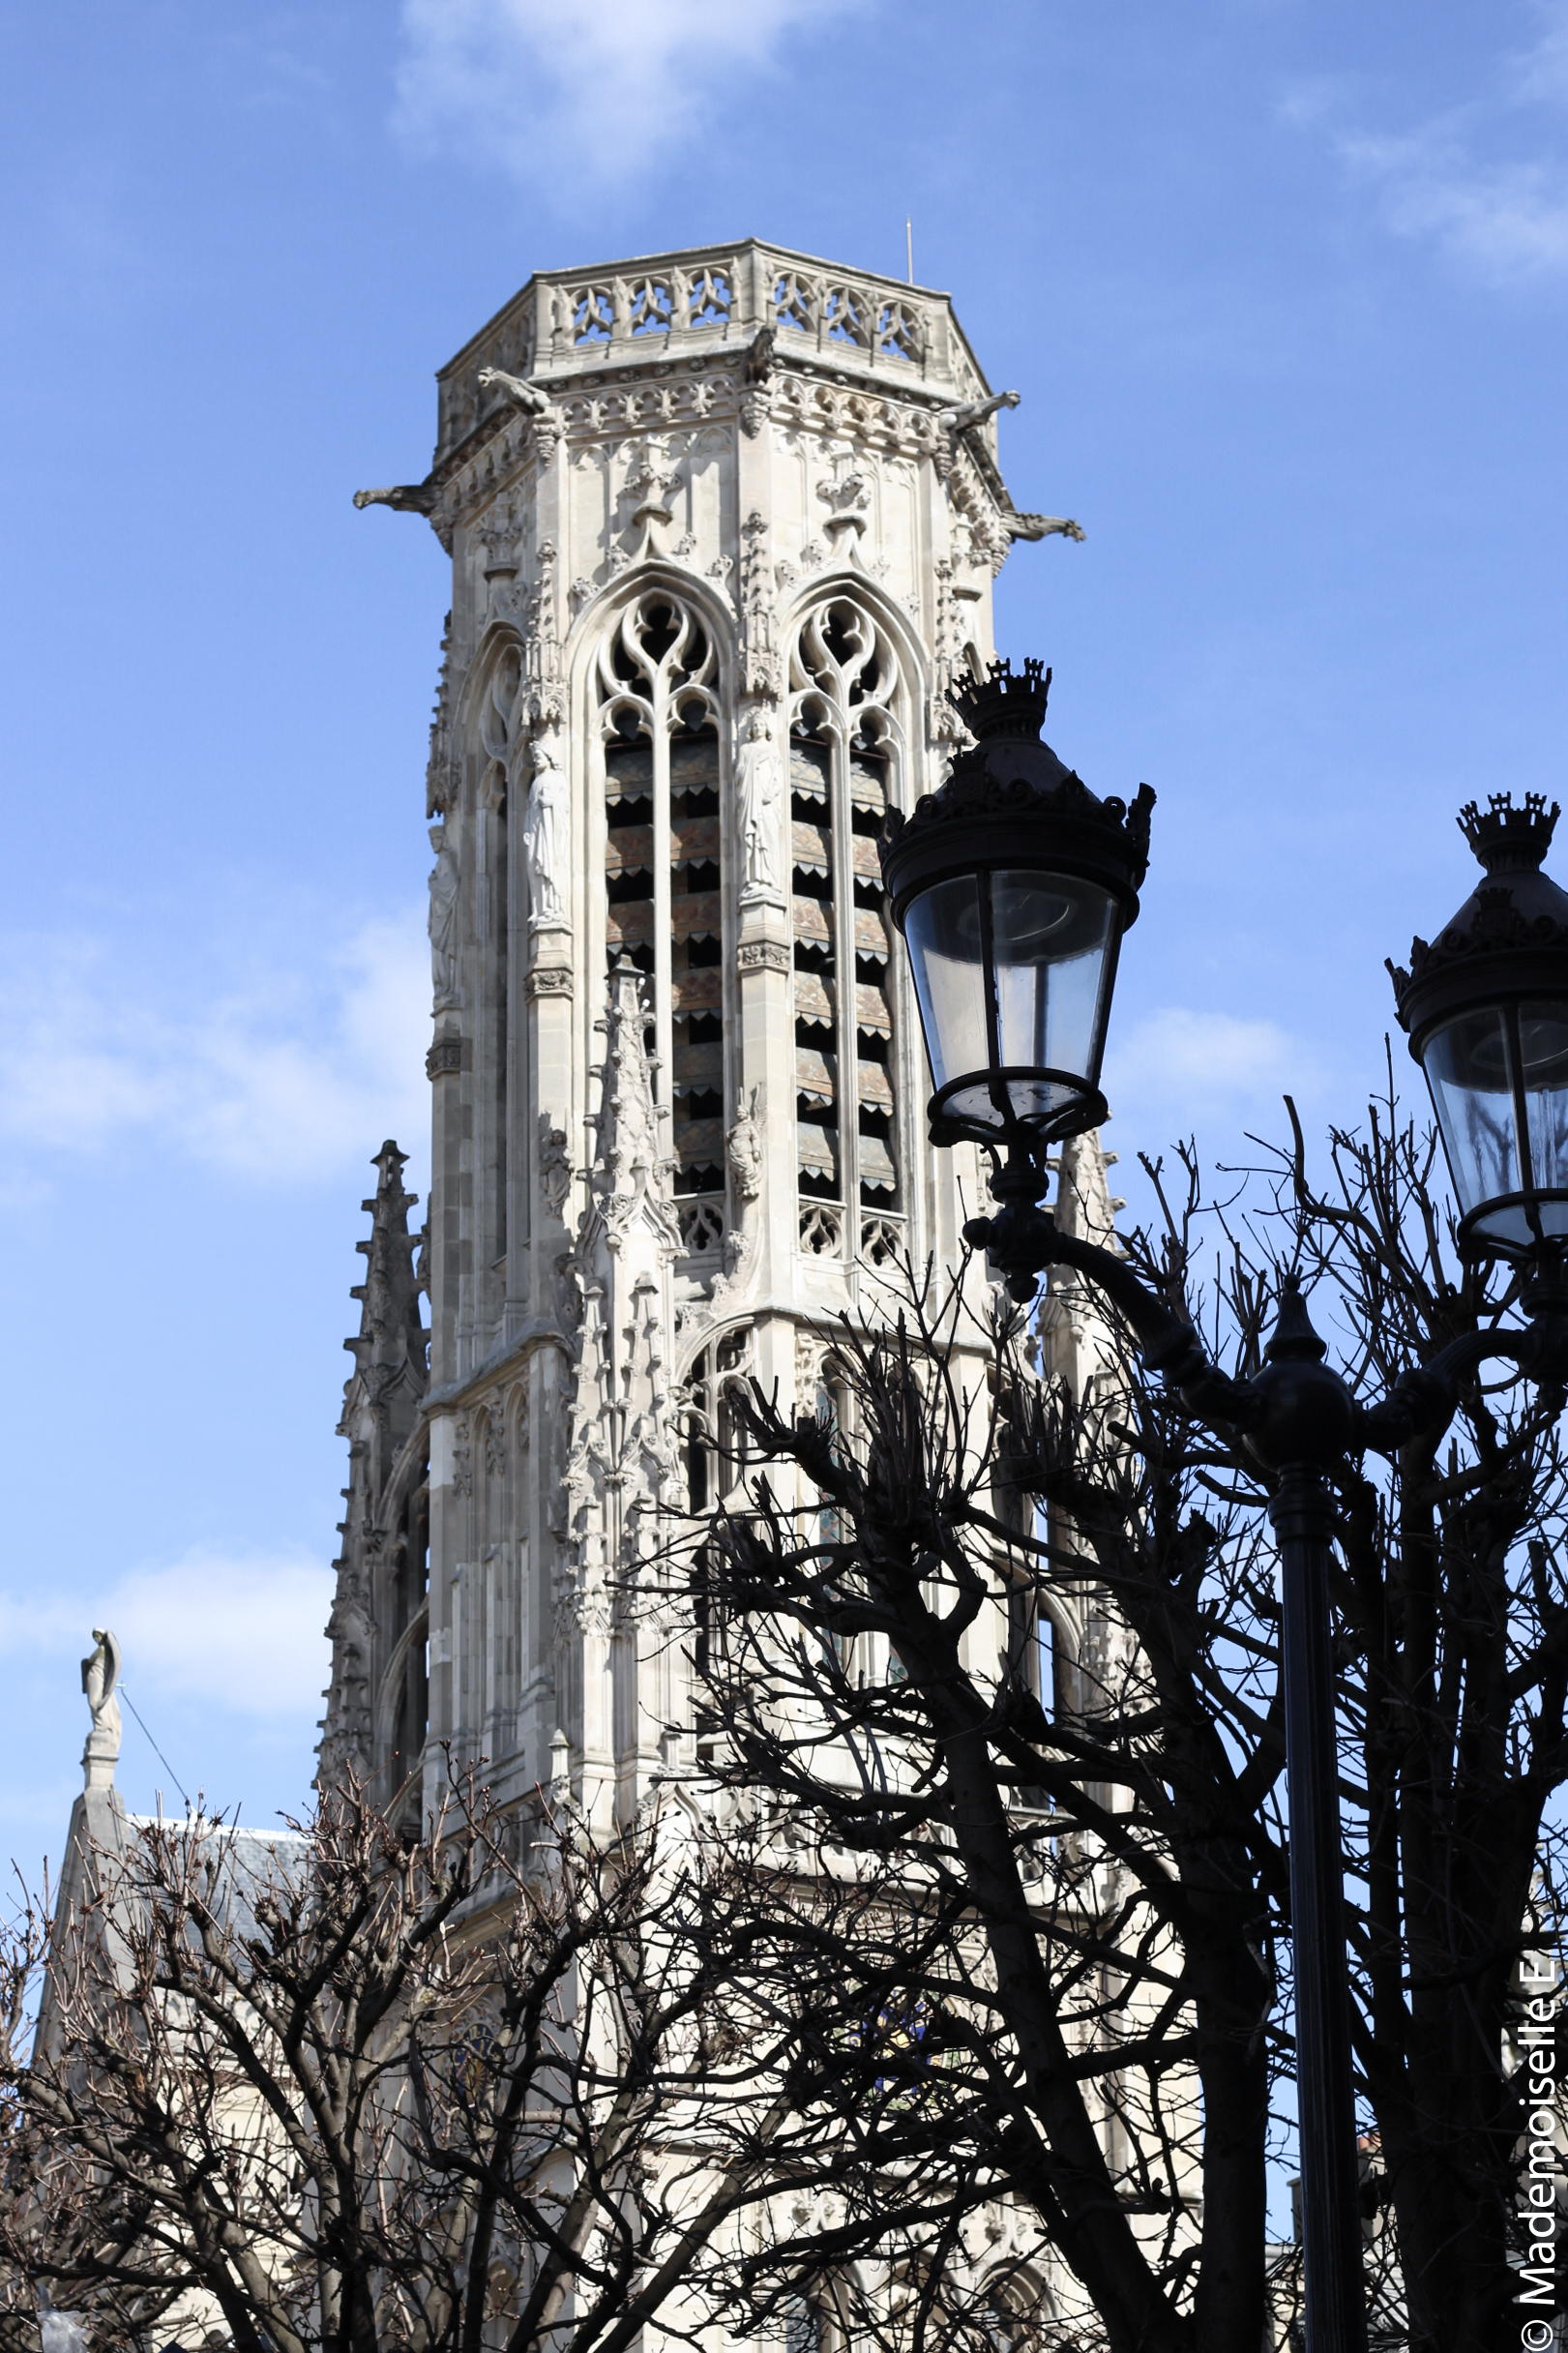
x: 100, y: 1679
x: 555, y: 1166
x: 744, y: 1147
x: 543, y: 837
x: 759, y: 793
x: 443, y: 923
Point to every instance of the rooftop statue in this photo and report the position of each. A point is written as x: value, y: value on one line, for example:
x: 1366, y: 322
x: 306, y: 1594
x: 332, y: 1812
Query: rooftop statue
x: 99, y: 1679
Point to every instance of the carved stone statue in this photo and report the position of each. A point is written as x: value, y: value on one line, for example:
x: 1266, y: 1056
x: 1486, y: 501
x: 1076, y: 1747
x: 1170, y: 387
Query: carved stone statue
x: 528, y: 397
x: 544, y: 821
x: 744, y: 1147
x: 555, y: 1166
x: 759, y: 790
x: 443, y: 923
x: 100, y: 1676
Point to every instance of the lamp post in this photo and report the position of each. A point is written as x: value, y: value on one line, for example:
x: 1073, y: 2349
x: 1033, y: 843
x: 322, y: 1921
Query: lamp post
x: 1012, y: 886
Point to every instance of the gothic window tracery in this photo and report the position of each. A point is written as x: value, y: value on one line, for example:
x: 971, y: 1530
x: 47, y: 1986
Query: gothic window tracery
x: 659, y: 713
x: 710, y: 300
x: 844, y: 745
x: 650, y: 307
x: 593, y: 314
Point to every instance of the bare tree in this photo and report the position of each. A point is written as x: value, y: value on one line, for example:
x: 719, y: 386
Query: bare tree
x: 1070, y: 1949
x: 443, y: 2096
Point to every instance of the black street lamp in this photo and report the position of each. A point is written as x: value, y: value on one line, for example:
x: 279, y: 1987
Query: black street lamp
x: 1486, y: 1010
x: 1012, y: 886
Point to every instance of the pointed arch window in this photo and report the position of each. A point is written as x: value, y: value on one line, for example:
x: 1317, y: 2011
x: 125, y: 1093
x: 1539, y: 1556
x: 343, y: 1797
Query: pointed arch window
x: 658, y: 722
x: 845, y: 741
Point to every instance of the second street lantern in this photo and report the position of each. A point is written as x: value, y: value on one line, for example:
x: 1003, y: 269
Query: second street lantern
x: 1486, y: 1006
x: 1012, y: 886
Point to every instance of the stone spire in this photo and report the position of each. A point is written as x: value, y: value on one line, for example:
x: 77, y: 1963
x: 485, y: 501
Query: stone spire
x: 381, y: 1402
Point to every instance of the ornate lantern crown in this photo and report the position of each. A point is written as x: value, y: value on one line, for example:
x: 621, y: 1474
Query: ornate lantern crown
x: 1012, y: 885
x: 1486, y: 1006
x: 1509, y: 840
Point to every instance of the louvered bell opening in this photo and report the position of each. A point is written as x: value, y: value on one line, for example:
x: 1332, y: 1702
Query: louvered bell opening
x: 810, y: 906
x: 629, y: 849
x: 875, y: 1102
x: 696, y: 961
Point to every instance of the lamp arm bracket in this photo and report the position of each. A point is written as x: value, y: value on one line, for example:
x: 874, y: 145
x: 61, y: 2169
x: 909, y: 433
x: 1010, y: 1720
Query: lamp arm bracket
x: 1168, y: 1344
x: 1422, y: 1401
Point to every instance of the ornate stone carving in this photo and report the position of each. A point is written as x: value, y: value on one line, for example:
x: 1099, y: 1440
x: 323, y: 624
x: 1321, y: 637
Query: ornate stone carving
x: 382, y: 1399
x: 624, y: 1459
x: 763, y: 955
x: 444, y: 1059
x: 847, y: 497
x: 463, y: 1457
x: 498, y: 537
x: 547, y: 980
x: 495, y: 1448
x: 943, y: 723
x: 543, y: 693
x: 443, y: 923
x: 544, y: 823
x: 651, y: 483
x: 756, y: 399
x: 437, y: 780
x: 760, y: 649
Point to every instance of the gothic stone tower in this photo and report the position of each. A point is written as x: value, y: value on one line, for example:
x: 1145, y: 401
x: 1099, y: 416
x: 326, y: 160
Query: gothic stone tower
x: 722, y: 525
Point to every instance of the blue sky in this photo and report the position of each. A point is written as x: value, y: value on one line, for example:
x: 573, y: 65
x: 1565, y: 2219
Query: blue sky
x: 1284, y: 287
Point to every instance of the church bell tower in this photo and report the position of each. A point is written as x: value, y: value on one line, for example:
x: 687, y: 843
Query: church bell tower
x: 723, y: 527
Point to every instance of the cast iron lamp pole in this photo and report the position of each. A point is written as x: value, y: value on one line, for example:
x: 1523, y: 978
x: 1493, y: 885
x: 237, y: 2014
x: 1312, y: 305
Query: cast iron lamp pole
x: 1012, y: 886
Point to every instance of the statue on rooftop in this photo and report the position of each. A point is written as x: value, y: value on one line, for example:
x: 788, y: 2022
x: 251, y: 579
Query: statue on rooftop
x: 100, y: 1679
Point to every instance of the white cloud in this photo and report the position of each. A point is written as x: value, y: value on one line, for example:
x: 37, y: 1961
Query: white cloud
x: 1177, y: 1067
x: 282, y: 1077
x: 242, y: 1631
x: 1488, y: 180
x: 1508, y: 220
x: 596, y: 86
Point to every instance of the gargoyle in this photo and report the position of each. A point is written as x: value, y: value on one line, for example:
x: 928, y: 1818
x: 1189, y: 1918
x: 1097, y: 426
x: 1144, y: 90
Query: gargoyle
x: 960, y: 421
x: 1040, y: 527
x: 524, y: 395
x: 405, y: 498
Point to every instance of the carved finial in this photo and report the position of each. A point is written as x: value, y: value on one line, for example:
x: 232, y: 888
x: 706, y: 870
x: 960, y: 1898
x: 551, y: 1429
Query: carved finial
x: 1293, y: 1339
x: 1508, y: 840
x: 100, y: 1679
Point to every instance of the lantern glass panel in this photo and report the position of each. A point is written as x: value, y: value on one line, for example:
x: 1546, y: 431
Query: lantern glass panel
x: 942, y: 931
x: 1543, y: 1037
x: 1051, y: 938
x: 1467, y: 1063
